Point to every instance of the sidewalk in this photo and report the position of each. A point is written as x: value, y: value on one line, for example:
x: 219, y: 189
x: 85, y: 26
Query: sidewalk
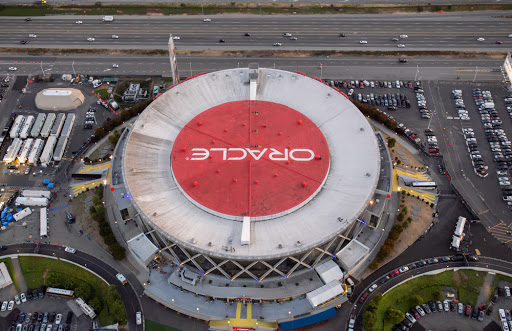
x: 399, y: 139
x: 19, y: 274
x: 485, y: 291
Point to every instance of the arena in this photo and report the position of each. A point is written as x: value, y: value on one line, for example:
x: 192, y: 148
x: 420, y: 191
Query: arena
x: 253, y: 174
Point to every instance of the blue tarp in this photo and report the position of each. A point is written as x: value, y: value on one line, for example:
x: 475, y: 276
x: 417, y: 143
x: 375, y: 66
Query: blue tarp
x: 46, y: 181
x: 309, y: 320
x: 51, y: 185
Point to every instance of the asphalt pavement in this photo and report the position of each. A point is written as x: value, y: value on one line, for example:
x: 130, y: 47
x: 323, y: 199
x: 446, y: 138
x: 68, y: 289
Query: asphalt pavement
x: 447, y: 31
x: 317, y: 2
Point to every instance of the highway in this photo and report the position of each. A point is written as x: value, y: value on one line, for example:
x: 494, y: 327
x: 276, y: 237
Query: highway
x: 349, y: 67
x: 448, y: 31
x: 128, y: 292
x: 317, y: 2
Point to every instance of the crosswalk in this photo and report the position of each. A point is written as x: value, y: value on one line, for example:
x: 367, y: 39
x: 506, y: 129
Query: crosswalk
x: 501, y: 232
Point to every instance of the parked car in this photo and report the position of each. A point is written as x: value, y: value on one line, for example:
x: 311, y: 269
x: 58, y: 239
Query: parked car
x: 468, y: 310
x: 372, y: 288
x: 363, y: 297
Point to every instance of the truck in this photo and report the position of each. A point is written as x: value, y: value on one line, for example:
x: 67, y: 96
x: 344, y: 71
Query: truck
x: 23, y: 201
x: 108, y: 18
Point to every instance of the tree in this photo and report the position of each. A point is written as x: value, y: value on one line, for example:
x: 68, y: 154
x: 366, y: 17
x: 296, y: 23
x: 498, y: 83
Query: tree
x: 95, y: 303
x: 391, y: 142
x: 394, y: 234
x: 99, y: 133
x: 374, y: 265
x: 372, y: 306
x: 416, y: 300
x: 390, y: 243
x: 84, y: 290
x: 118, y: 252
x: 377, y: 297
x: 400, y: 217
x: 92, y: 210
x: 394, y: 316
x: 69, y: 284
x: 54, y: 279
x: 112, y: 294
x: 117, y: 311
x: 369, y: 319
x: 438, y: 295
x: 405, y: 210
x: 386, y: 249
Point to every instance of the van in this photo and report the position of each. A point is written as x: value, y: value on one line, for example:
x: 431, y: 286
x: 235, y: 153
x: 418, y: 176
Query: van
x: 121, y: 278
x: 349, y: 281
x: 503, y: 317
x: 507, y: 292
x: 138, y: 318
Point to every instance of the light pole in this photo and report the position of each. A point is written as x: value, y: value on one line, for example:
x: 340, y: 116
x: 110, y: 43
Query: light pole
x: 42, y: 67
x: 417, y: 72
x: 321, y: 70
x: 73, y: 66
x: 476, y: 72
x: 190, y: 63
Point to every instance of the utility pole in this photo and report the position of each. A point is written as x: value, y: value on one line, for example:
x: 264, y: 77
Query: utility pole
x: 73, y: 66
x: 417, y: 72
x: 202, y: 10
x: 321, y: 70
x: 190, y: 63
x: 476, y: 72
x: 42, y: 67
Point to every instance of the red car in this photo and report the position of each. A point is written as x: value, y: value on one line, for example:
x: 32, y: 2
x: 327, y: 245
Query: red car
x: 363, y: 297
x: 394, y: 273
x: 468, y: 310
x: 415, y: 313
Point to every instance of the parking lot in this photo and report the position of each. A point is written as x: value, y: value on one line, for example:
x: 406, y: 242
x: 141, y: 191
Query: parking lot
x: 47, y: 305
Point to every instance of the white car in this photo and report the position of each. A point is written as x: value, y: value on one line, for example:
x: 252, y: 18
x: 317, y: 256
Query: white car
x: 70, y: 250
x: 207, y: 19
x: 4, y: 306
x: 90, y: 39
x: 11, y: 305
x: 351, y: 91
x: 446, y: 306
x: 115, y: 65
x: 13, y: 68
x: 277, y: 44
x: 115, y: 36
x: 138, y: 318
x: 480, y: 39
x: 17, y: 299
x: 176, y: 37
x: 78, y: 22
x: 404, y: 36
x: 501, y: 172
x: 504, y: 183
x: 403, y: 269
x: 372, y: 288
x: 23, y: 297
x: 420, y: 310
x: 363, y: 42
x: 510, y: 35
x: 58, y: 319
x: 293, y: 38
x: 287, y: 34
x: 32, y: 35
x: 394, y: 39
x: 400, y: 46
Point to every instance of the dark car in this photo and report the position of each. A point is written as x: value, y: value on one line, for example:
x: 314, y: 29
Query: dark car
x: 444, y: 259
x: 29, y: 294
x: 342, y: 35
x: 23, y: 42
x: 35, y: 294
x: 41, y: 292
x: 402, y: 60
x: 489, y: 310
x: 420, y: 264
x: 474, y: 314
x: 432, y: 306
x: 28, y: 19
x: 363, y: 297
x: 494, y: 298
x: 51, y: 318
x: 247, y: 34
x: 3, y: 248
x: 453, y: 306
x: 35, y: 316
x: 501, y: 291
x: 70, y: 218
x: 69, y: 317
x: 384, y: 279
x: 222, y: 40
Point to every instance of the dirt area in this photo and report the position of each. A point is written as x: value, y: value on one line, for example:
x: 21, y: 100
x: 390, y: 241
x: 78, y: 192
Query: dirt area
x: 415, y: 229
x: 456, y: 278
x: 84, y: 220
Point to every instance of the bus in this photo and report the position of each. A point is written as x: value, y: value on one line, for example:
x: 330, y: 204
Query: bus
x: 424, y: 185
x: 58, y: 292
x: 85, y: 308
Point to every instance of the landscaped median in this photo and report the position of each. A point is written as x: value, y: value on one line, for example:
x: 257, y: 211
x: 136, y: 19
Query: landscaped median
x: 51, y: 272
x: 422, y: 290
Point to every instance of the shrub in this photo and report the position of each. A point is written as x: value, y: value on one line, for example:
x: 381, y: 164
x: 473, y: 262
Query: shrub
x: 405, y: 210
x: 399, y: 161
x: 369, y: 319
x: 391, y: 142
x: 389, y: 242
x: 394, y: 316
x: 374, y: 265
x: 400, y: 217
x: 118, y: 251
x: 416, y: 300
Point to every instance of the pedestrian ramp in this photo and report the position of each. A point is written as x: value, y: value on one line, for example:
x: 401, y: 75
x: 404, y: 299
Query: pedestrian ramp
x: 419, y: 176
x: 94, y: 168
x: 82, y: 187
x: 239, y: 322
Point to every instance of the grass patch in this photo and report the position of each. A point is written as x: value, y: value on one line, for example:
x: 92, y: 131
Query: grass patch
x: 221, y: 8
x: 154, y: 326
x: 10, y: 268
x: 468, y: 283
x: 34, y: 267
x: 102, y: 92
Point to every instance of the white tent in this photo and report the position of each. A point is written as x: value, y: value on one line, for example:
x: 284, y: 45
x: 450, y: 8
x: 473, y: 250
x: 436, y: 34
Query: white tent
x: 329, y: 271
x: 44, y: 223
x: 324, y: 293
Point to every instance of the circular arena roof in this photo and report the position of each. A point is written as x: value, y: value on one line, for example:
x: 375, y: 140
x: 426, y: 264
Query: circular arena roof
x: 285, y: 152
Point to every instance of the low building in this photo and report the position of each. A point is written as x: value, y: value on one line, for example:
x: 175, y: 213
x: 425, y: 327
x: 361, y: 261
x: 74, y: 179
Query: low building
x: 135, y: 93
x: 59, y: 99
x: 5, y: 278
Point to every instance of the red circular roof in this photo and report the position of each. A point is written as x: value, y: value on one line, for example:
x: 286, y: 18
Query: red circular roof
x: 250, y: 158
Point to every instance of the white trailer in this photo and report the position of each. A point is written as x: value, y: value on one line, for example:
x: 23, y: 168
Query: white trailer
x: 47, y: 126
x: 36, y: 194
x: 459, y: 228
x: 47, y: 153
x: 22, y: 214
x: 23, y: 201
x: 38, y: 125
x: 68, y: 125
x: 12, y: 151
x: 25, y: 129
x: 25, y: 150
x: 16, y: 126
x: 57, y: 126
x: 36, y: 151
x: 489, y: 105
x: 108, y: 18
x: 43, y: 232
x: 61, y: 147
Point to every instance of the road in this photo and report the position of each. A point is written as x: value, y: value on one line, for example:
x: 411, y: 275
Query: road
x: 318, y: 2
x: 129, y: 293
x: 448, y: 31
x: 349, y: 67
